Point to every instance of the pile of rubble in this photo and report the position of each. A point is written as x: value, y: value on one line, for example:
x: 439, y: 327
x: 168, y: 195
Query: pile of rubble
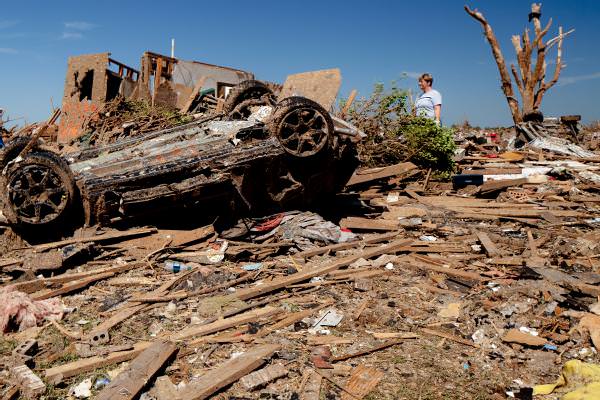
x: 401, y: 286
x: 406, y: 288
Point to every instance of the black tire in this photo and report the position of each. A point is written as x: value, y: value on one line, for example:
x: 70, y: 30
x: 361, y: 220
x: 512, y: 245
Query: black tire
x: 304, y: 128
x: 13, y: 149
x: 39, y: 191
x: 243, y: 96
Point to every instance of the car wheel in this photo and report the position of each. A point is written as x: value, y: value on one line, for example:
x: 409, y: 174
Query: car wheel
x: 39, y: 190
x: 246, y: 95
x: 302, y: 126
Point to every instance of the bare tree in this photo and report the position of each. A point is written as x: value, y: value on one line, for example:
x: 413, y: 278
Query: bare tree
x: 530, y: 77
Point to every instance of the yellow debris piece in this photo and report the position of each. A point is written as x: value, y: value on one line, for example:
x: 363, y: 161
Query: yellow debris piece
x: 581, y: 380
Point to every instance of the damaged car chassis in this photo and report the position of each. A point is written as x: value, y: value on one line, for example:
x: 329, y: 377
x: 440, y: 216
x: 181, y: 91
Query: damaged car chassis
x: 287, y: 155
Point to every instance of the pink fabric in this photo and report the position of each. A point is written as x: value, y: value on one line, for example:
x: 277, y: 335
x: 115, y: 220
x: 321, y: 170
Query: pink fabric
x: 25, y: 312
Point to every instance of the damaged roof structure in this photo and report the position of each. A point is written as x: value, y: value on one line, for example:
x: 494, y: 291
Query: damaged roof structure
x: 94, y: 79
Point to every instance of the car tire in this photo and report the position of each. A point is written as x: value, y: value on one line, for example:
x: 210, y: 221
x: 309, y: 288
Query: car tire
x: 302, y: 126
x: 39, y: 191
x: 243, y: 96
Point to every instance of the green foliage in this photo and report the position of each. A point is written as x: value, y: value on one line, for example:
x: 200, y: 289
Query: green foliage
x: 394, y: 135
x: 433, y: 146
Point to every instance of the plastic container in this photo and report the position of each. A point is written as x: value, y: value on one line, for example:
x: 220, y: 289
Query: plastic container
x: 176, y: 266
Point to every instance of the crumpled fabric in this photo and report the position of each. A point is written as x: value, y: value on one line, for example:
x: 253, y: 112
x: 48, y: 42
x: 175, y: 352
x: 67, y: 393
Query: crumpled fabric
x: 304, y: 228
x: 581, y: 380
x: 25, y: 312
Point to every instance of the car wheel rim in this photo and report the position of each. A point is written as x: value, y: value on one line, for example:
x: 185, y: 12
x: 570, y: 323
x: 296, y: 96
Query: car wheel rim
x: 37, y: 194
x: 303, y: 132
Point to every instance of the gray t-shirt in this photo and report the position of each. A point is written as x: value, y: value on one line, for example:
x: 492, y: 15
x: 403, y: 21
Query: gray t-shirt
x: 426, y: 102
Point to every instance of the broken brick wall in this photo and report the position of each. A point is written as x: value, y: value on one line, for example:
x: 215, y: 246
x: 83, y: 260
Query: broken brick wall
x: 85, y: 91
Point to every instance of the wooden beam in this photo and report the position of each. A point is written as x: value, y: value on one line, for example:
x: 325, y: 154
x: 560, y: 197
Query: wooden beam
x: 227, y: 373
x: 380, y: 173
x: 190, y: 100
x: 487, y: 244
x: 130, y: 382
x: 227, y: 323
x: 55, y: 375
x: 71, y: 286
x: 99, y: 238
x: 346, y: 245
x: 381, y: 346
x: 279, y: 283
x: 369, y: 224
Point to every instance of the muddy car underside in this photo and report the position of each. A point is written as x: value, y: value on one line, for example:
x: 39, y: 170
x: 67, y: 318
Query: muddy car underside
x: 288, y: 155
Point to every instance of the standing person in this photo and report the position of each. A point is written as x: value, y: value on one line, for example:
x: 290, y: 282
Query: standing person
x: 429, y: 104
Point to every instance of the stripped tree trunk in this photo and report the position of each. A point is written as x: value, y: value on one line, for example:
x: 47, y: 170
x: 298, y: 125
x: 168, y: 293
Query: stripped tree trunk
x: 530, y: 77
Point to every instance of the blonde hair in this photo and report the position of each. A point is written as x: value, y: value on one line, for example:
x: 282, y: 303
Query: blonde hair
x: 427, y: 78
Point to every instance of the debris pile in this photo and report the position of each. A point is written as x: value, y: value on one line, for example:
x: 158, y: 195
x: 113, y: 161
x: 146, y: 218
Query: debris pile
x: 480, y: 287
x: 402, y: 285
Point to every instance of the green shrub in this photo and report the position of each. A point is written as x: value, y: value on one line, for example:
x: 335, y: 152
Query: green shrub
x: 432, y: 146
x: 394, y: 135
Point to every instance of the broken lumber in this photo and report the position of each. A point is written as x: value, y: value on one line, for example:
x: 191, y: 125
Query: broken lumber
x: 129, y: 383
x: 381, y: 346
x: 379, y: 173
x: 487, y: 244
x: 227, y: 373
x: 369, y: 224
x: 263, y: 376
x: 311, y: 385
x: 449, y: 337
x: 227, y: 323
x: 55, y: 375
x: 345, y: 245
x: 276, y: 284
x: 70, y: 286
x: 430, y: 264
x: 362, y: 381
x: 100, y: 238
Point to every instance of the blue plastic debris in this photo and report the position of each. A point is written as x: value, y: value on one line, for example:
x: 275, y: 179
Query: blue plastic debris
x: 252, y: 267
x: 550, y: 347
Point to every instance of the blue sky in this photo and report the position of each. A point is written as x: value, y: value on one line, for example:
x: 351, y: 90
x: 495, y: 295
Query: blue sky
x: 370, y: 41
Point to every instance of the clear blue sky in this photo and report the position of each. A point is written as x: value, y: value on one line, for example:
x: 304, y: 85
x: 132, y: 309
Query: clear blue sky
x: 370, y: 41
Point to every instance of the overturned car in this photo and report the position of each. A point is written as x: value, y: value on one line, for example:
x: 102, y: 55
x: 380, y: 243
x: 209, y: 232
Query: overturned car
x: 256, y: 157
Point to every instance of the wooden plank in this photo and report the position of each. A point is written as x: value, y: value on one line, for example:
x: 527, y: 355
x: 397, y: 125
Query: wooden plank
x: 346, y: 245
x: 524, y: 212
x: 449, y: 337
x: 491, y: 186
x: 263, y: 376
x: 349, y: 102
x: 369, y: 224
x: 38, y: 284
x: 362, y: 381
x: 487, y: 243
x: 227, y: 323
x: 430, y: 264
x: 182, y: 238
x: 380, y: 173
x: 71, y: 286
x: 227, y: 373
x: 100, y: 238
x: 291, y: 319
x: 360, y: 353
x: 320, y: 86
x: 311, y: 389
x: 278, y: 283
x: 55, y: 375
x: 190, y: 100
x: 130, y: 382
